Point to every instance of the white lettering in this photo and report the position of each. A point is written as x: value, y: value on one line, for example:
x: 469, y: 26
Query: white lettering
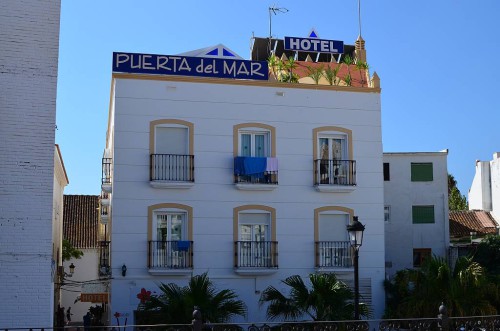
x: 161, y: 61
x: 230, y: 70
x: 175, y: 58
x: 215, y: 70
x: 184, y: 65
x: 146, y: 64
x: 255, y: 68
x: 315, y: 44
x: 324, y: 46
x: 138, y: 62
x: 121, y: 58
x: 242, y: 69
x: 305, y: 44
x: 294, y: 43
x: 199, y: 68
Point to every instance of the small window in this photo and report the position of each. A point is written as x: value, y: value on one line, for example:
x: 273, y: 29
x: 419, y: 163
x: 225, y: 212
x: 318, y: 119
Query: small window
x: 420, y: 255
x: 423, y: 214
x: 387, y: 173
x: 421, y: 172
x: 387, y: 213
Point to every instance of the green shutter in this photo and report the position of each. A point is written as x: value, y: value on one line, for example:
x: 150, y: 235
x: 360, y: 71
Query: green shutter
x: 423, y: 214
x: 421, y: 172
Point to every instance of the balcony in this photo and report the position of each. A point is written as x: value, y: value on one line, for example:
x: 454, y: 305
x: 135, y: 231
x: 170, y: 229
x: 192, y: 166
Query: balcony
x: 333, y: 254
x: 171, y: 171
x: 104, y: 262
x: 334, y: 175
x: 104, y: 213
x: 107, y: 164
x: 256, y: 173
x: 255, y: 257
x: 170, y: 257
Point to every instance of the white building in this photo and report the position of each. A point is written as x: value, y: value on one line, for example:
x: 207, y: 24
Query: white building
x: 484, y: 193
x: 29, y: 45
x: 416, y: 208
x: 250, y: 180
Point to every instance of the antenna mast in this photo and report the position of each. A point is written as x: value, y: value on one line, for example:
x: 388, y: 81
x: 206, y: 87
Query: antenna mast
x: 274, y: 10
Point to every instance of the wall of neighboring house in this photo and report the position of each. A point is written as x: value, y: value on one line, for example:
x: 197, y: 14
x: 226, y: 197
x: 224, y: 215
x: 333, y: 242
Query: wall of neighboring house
x: 29, y: 45
x: 214, y: 110
x: 495, y: 185
x: 480, y: 190
x: 404, y: 200
x: 86, y: 270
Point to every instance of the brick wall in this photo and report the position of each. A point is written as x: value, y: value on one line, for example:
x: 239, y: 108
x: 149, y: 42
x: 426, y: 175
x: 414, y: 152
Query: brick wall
x: 29, y: 44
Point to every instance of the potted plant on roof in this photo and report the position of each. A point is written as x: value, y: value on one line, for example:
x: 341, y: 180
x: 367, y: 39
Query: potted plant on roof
x: 363, y: 67
x: 315, y: 73
x: 348, y: 61
x: 330, y: 74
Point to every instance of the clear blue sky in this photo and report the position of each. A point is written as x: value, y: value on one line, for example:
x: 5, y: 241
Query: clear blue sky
x: 437, y: 60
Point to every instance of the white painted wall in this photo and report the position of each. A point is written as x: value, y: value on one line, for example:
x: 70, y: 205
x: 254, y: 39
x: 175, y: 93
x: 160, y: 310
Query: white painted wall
x: 86, y: 270
x: 400, y: 193
x: 29, y: 44
x: 480, y: 190
x: 215, y: 109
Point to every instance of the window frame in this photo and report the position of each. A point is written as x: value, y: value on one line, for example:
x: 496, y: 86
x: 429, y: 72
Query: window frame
x: 254, y: 128
x: 387, y: 171
x: 170, y: 208
x: 419, y: 172
x: 253, y: 132
x: 425, y: 221
x: 423, y: 254
x: 387, y: 213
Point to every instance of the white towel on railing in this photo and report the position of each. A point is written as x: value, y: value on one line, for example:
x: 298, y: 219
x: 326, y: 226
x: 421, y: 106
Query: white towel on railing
x: 271, y: 164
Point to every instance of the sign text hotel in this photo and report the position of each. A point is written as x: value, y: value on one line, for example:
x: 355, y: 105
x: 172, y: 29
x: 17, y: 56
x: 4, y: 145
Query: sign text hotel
x: 314, y: 45
x: 189, y: 66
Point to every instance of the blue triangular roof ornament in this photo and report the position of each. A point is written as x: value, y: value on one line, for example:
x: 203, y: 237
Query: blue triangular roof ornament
x: 215, y: 51
x: 225, y: 52
x: 313, y: 34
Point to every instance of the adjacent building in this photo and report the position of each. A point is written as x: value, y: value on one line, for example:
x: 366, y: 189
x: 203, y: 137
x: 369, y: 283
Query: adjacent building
x: 484, y: 193
x: 415, y: 208
x: 29, y: 46
x: 246, y: 171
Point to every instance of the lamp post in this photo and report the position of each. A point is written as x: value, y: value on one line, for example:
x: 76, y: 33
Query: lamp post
x: 355, y: 230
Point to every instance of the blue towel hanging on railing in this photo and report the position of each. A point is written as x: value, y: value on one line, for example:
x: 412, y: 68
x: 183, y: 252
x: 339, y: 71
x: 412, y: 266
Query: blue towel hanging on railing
x: 183, y: 245
x: 255, y: 166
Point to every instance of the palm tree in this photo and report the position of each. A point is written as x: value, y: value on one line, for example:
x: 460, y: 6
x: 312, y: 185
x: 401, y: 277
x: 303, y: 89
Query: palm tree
x: 315, y: 73
x: 465, y: 291
x: 330, y: 74
x: 348, y: 61
x: 175, y: 304
x: 329, y: 299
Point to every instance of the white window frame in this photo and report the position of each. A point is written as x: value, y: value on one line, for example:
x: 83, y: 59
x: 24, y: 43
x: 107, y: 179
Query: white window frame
x: 254, y: 132
x: 156, y: 213
x: 387, y: 213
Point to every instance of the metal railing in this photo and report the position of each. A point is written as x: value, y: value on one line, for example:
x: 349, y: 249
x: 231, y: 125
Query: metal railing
x: 264, y: 178
x: 335, y: 172
x: 104, y: 262
x: 106, y: 170
x: 333, y: 254
x: 256, y: 254
x: 170, y: 254
x: 172, y: 167
x: 255, y: 170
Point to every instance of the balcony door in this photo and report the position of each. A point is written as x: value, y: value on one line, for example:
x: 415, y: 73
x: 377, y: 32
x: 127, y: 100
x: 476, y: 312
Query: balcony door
x: 254, y: 144
x: 254, y: 235
x: 170, y: 229
x: 333, y: 153
x: 333, y: 240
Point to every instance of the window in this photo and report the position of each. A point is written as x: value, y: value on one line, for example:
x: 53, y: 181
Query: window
x: 170, y: 236
x: 255, y: 237
x: 420, y: 255
x: 387, y: 173
x: 333, y: 164
x: 255, y: 154
x: 387, y: 213
x: 423, y: 214
x: 421, y: 172
x: 171, y: 149
x: 332, y: 247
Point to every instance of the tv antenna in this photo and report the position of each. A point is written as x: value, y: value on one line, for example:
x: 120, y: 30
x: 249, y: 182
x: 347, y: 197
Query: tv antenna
x: 274, y: 10
x: 359, y: 16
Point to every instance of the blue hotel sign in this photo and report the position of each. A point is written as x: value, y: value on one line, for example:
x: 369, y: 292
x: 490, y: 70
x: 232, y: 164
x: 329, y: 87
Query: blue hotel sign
x: 314, y: 45
x: 189, y: 66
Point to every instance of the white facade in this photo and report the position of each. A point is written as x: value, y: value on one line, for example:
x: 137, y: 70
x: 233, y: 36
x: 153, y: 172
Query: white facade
x: 484, y: 193
x: 215, y: 120
x: 29, y: 45
x: 416, y: 208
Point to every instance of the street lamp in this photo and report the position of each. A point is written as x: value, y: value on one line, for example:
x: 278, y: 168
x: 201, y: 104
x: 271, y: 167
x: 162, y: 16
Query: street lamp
x: 355, y: 230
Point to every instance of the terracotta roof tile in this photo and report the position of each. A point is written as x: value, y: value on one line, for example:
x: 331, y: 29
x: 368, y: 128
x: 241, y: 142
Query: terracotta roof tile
x: 462, y: 223
x: 81, y: 220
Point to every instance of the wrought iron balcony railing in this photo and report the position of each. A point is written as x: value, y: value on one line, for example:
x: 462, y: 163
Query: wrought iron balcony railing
x: 256, y: 254
x: 335, y: 172
x: 106, y: 170
x: 333, y: 254
x: 256, y: 170
x: 172, y: 167
x: 104, y: 262
x: 177, y: 254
